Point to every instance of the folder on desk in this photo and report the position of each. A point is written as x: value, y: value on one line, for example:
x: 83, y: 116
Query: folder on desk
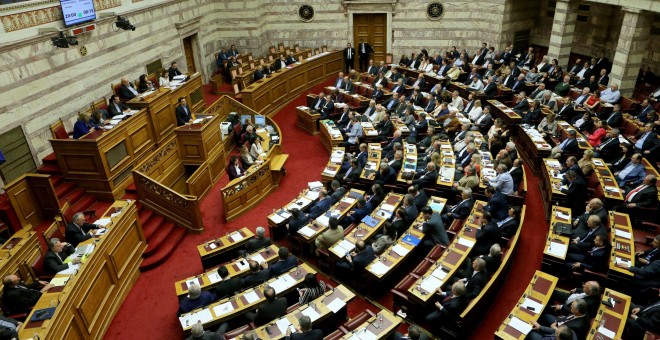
x: 43, y: 314
x: 370, y: 221
x: 412, y: 240
x: 563, y: 228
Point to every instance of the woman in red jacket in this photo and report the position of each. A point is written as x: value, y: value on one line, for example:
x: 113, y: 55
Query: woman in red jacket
x: 601, y: 130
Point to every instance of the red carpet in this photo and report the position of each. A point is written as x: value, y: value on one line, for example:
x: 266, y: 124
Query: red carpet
x: 150, y: 308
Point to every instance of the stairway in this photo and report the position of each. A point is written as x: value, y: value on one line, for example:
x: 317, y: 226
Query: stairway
x: 162, y: 236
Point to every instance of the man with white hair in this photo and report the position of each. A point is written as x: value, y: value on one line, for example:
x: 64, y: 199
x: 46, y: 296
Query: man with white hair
x: 503, y: 181
x: 259, y: 241
x: 456, y: 101
x: 548, y: 100
x: 511, y: 149
x: 610, y: 95
x: 78, y: 230
x: 196, y: 298
x: 57, y: 253
x: 197, y: 333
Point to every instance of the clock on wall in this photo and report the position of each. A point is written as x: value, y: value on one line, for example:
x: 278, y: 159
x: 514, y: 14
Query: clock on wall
x: 306, y: 12
x: 435, y: 10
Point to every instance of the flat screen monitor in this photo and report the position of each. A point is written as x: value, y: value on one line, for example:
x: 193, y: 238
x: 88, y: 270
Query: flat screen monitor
x: 77, y: 11
x: 260, y: 120
x: 245, y: 118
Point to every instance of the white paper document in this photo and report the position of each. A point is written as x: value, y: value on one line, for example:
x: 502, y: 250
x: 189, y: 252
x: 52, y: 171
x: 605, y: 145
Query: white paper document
x: 400, y: 250
x: 214, y: 277
x: 103, y: 221
x: 258, y: 258
x: 283, y: 324
x: 277, y: 219
x: 190, y: 319
x: 557, y: 249
x: 363, y: 334
x: 314, y: 315
x: 465, y: 242
x: 621, y: 233
x: 344, y: 246
x: 387, y: 207
x: 439, y: 273
x: 606, y: 332
x: 306, y: 231
x: 625, y: 262
x: 562, y: 215
x: 379, y: 268
x: 348, y: 200
x: 59, y: 281
x: 336, y: 305
x: 520, y: 326
x: 323, y: 220
x: 242, y: 265
x: 313, y: 185
x: 312, y: 195
x: 72, y: 269
x: 236, y: 237
x: 223, y: 309
x: 537, y: 307
x: 251, y: 297
x: 430, y: 284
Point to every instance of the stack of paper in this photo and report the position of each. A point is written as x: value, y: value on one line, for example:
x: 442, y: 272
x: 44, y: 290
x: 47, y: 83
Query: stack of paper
x: 621, y: 233
x: 387, y: 207
x: 400, y: 250
x: 312, y: 195
x: 336, y: 305
x: 520, y: 326
x: 349, y: 200
x: 283, y: 324
x: 257, y: 258
x: 379, y: 268
x: 439, y: 273
x: 59, y: 281
x: 619, y: 260
x: 276, y: 218
x: 223, y: 309
x: 236, y: 237
x: 212, y: 245
x: 557, y: 249
x: 562, y: 215
x: 535, y: 306
x: 307, y: 231
x: 313, y: 314
x: 344, y: 247
x: 465, y: 242
x: 430, y: 284
x: 323, y: 220
x: 251, y: 297
x: 606, y: 332
x: 315, y: 185
x: 103, y: 221
x: 72, y: 269
x: 214, y: 277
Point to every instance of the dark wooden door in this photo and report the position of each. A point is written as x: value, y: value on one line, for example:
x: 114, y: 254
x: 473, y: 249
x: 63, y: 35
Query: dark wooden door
x: 372, y: 28
x: 188, y: 51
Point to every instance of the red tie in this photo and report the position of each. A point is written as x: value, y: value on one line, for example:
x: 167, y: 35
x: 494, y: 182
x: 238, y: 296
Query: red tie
x: 634, y: 191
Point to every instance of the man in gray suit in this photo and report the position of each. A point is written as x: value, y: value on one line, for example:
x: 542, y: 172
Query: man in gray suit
x: 433, y: 228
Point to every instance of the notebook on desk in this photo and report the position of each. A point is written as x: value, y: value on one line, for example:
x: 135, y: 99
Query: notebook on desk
x: 561, y: 228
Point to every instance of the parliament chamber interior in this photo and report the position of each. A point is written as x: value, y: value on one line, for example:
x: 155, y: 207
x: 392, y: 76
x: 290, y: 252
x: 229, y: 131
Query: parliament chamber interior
x: 354, y: 169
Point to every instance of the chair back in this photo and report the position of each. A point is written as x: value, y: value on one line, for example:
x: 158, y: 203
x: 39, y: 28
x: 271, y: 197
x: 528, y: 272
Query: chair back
x: 58, y: 131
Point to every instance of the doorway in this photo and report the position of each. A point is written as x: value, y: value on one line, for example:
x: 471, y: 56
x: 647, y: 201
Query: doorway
x: 188, y: 45
x: 372, y: 28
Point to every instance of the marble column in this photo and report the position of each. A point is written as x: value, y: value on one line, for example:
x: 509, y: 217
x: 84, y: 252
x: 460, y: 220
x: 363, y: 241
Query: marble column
x: 630, y: 49
x: 563, y: 27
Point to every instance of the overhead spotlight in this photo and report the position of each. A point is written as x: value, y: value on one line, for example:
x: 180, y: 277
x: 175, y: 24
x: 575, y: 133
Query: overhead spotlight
x: 124, y: 24
x: 64, y: 42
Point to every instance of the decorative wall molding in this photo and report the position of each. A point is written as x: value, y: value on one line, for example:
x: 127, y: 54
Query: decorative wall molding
x: 19, y: 21
x: 368, y: 5
x: 100, y: 5
x: 11, y: 7
x: 155, y: 159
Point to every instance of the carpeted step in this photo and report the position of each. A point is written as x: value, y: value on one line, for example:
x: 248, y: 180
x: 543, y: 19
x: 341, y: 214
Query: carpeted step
x: 64, y: 189
x: 49, y: 169
x: 128, y: 196
x: 144, y: 216
x: 131, y: 189
x: 155, y: 240
x: 73, y: 196
x: 84, y: 204
x: 50, y: 159
x: 169, y: 244
x: 56, y: 180
x: 152, y: 225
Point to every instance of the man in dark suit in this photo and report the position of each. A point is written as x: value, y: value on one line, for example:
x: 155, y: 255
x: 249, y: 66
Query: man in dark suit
x: 414, y: 332
x: 576, y: 192
x: 259, y: 240
x: 385, y: 127
x: 321, y: 206
x: 461, y: 210
x: 358, y: 259
x: 372, y: 69
x: 280, y: 63
x: 356, y: 215
x: 594, y: 207
x: 451, y: 307
x: 490, y: 90
x: 328, y: 107
x: 337, y: 191
x: 426, y: 178
x: 433, y: 228
x: 116, y: 107
x: 645, y: 279
x: 384, y: 175
x: 488, y: 235
x: 578, y: 321
x: 305, y: 331
x: 647, y: 142
x: 196, y: 298
x: 516, y: 172
x: 18, y: 297
x: 270, y: 310
x: 183, y: 114
x: 644, y: 258
x: 57, y: 253
x: 580, y: 245
x: 127, y: 90
x: 484, y: 121
x: 259, y: 73
x: 349, y: 56
x: 477, y: 281
x: 571, y: 165
x: 290, y: 59
x: 78, y: 230
x: 228, y: 286
x: 642, y: 320
x: 419, y: 196
x: 284, y: 263
x: 378, y: 93
x: 259, y: 273
x: 509, y: 225
x: 568, y: 146
x: 297, y: 221
x: 609, y: 148
x: 364, y: 49
x: 496, y: 205
x: 595, y: 259
x: 173, y: 71
x: 644, y: 195
x: 197, y: 332
x: 319, y: 103
x: 589, y: 292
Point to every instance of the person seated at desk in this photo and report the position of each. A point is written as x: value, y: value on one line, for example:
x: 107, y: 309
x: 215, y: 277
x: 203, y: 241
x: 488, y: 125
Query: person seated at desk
x: 297, y: 221
x: 361, y: 209
x: 433, y: 228
x: 476, y: 85
x: 284, y: 262
x: 78, y: 230
x: 126, y: 90
x: 256, y: 148
x: 145, y: 84
x: 509, y: 225
x: 644, y: 195
x: 116, y: 107
x: 581, y: 245
x: 503, y: 182
x: 258, y: 274
x: 235, y: 169
x: 82, y: 126
x: 280, y: 63
x: 532, y: 114
x: 173, y: 71
x: 610, y: 95
x: 312, y: 289
x: 427, y: 177
x: 642, y: 320
x: 643, y: 258
x: 488, y: 235
x: 584, y: 123
x: 8, y: 328
x: 334, y: 234
x: 164, y: 79
x: 632, y: 174
x: 259, y: 240
x: 595, y: 259
x: 571, y: 165
x: 291, y: 59
x: 18, y: 296
x: 183, y: 114
x: 578, y: 322
x: 568, y: 145
x: 461, y: 210
x: 357, y: 260
x: 608, y: 149
x: 259, y: 73
x: 228, y: 286
x: 594, y: 207
x: 328, y: 107
x: 323, y: 204
x: 384, y: 240
x: 647, y: 142
x: 246, y: 158
x: 452, y: 305
x: 589, y: 292
x: 496, y: 205
x: 97, y: 119
x: 197, y: 332
x: 196, y: 298
x: 56, y: 254
x: 304, y: 331
x: 270, y: 310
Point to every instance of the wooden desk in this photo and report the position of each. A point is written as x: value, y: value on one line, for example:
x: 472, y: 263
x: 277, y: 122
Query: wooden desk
x: 400, y: 250
x: 211, y: 251
x: 202, y: 142
x: 611, y: 319
x: 236, y: 268
x: 279, y: 218
x: 238, y: 304
x: 564, y: 127
x: 269, y: 95
x: 339, y: 210
x: 623, y: 247
x: 409, y: 161
x: 319, y: 306
x: 539, y: 290
x: 101, y: 161
x: 18, y: 253
x: 556, y: 246
x: 374, y: 155
x: 532, y: 148
x: 334, y: 164
x: 330, y: 135
x: 447, y: 169
x: 650, y: 170
x: 550, y: 183
x: 380, y: 327
x: 92, y: 296
x: 613, y: 194
x: 500, y: 110
x: 308, y: 120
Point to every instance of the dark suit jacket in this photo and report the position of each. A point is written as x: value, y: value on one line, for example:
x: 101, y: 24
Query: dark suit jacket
x: 609, y: 149
x: 650, y: 143
x: 338, y: 194
x: 358, y: 214
x: 648, y: 319
x: 596, y: 261
x: 74, y: 236
x: 517, y: 176
x: 475, y: 284
x: 427, y: 179
x: 578, y: 325
x: 435, y: 229
x: 257, y: 278
x: 509, y: 228
x: 186, y: 304
x: 647, y: 277
x: 576, y: 194
x: 352, y: 53
x: 257, y: 243
x: 490, y: 90
x: 270, y: 311
x: 182, y: 117
x: 452, y: 308
x: 486, y: 237
x: 462, y: 210
x: 125, y: 93
x: 320, y: 208
x: 647, y: 197
x: 421, y: 199
x: 112, y: 110
x: 385, y: 128
x: 231, y: 171
x: 53, y: 263
x: 228, y: 287
x: 281, y: 266
x: 314, y: 334
x: 396, y: 166
x: 497, y: 206
x: 571, y: 147
x: 361, y: 260
x: 387, y: 178
x: 21, y: 297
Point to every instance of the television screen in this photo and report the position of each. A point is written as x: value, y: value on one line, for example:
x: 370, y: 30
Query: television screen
x: 77, y: 11
x: 245, y: 118
x: 260, y: 120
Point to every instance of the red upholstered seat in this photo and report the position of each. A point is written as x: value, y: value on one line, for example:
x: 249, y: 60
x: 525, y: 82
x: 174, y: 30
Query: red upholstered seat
x: 58, y: 131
